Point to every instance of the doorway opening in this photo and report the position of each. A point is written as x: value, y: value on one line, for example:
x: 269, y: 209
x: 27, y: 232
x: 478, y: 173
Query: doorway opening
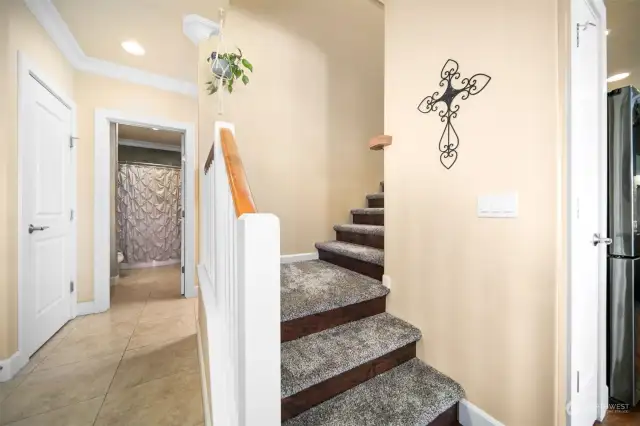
x: 148, y: 187
x: 144, y: 202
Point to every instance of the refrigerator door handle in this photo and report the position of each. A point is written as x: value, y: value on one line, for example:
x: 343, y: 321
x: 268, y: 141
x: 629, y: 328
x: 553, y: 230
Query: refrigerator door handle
x: 597, y: 239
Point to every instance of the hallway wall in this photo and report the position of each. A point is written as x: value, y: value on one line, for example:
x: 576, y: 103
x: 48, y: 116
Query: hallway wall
x: 484, y: 292
x: 304, y: 121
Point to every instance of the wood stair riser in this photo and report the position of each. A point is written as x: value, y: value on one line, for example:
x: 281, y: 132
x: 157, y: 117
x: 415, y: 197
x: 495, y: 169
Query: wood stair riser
x: 300, y: 327
x: 317, y: 394
x: 376, y: 241
x: 448, y: 418
x: 365, y: 268
x: 375, y: 202
x: 368, y: 219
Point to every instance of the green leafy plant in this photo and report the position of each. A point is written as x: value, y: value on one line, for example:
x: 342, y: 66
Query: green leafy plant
x: 227, y: 69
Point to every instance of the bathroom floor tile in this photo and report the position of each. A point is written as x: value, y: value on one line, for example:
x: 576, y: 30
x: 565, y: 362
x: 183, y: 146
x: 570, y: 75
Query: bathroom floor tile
x: 162, y: 330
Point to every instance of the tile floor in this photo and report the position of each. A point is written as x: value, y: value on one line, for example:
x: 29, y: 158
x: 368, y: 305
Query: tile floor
x: 136, y: 364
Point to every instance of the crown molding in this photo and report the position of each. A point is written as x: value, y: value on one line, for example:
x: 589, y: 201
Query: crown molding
x: 49, y: 17
x: 199, y: 29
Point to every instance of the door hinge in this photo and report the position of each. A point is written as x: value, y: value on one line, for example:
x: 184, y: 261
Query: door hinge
x: 71, y: 287
x: 72, y: 141
x: 183, y: 213
x: 578, y: 381
x: 182, y: 269
x: 71, y: 215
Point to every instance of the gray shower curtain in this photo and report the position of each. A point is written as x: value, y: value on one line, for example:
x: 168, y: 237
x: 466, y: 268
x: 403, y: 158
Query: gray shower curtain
x: 147, y: 213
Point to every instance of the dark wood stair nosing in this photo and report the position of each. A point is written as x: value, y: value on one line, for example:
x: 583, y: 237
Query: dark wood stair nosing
x: 302, y: 401
x: 365, y: 268
x: 310, y: 324
x: 376, y: 241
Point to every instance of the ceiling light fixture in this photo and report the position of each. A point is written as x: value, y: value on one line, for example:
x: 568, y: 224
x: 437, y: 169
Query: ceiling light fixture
x: 133, y: 47
x: 154, y: 128
x: 618, y: 77
x: 607, y: 32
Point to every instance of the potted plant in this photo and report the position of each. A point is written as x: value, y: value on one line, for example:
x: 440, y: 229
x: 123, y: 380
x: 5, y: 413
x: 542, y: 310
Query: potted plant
x: 227, y: 68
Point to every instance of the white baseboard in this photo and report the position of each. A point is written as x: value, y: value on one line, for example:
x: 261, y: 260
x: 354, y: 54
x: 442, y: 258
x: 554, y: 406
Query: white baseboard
x: 602, y: 408
x: 86, y: 308
x: 471, y: 415
x: 11, y: 366
x: 299, y: 257
x: 203, y: 381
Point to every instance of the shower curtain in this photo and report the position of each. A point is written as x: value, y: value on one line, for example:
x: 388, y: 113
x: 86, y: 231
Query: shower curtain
x: 147, y: 213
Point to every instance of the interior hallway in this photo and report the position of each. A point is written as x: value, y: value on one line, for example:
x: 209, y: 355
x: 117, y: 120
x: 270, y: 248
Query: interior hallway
x: 136, y: 364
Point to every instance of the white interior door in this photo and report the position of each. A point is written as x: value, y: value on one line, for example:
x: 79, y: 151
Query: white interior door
x: 183, y: 246
x: 46, y: 201
x: 586, y: 103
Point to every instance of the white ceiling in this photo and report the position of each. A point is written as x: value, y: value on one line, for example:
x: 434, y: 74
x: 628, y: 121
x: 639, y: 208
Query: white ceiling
x: 145, y: 134
x: 623, y: 42
x: 99, y: 26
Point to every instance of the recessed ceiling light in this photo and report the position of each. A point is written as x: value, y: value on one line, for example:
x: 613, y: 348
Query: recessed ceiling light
x: 607, y: 32
x: 154, y: 128
x: 133, y: 47
x: 618, y: 77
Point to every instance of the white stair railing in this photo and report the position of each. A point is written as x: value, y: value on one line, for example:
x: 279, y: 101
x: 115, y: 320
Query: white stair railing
x: 239, y: 274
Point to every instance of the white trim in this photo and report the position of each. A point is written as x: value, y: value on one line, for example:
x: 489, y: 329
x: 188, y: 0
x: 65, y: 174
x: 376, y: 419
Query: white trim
x: 102, y: 198
x: 206, y: 406
x: 27, y: 70
x: 199, y: 29
x: 48, y: 16
x: 599, y: 9
x: 149, y: 145
x: 299, y: 257
x: 86, y: 308
x: 471, y: 415
x: 10, y: 367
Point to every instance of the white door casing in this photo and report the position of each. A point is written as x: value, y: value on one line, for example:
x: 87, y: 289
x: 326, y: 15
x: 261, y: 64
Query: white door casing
x: 46, y: 197
x: 586, y: 261
x: 182, y: 216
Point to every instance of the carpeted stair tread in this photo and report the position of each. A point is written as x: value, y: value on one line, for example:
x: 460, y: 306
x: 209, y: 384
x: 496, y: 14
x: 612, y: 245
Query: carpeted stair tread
x: 315, y: 286
x: 411, y: 394
x: 360, y: 229
x: 369, y: 210
x: 375, y: 196
x: 315, y: 358
x: 355, y: 251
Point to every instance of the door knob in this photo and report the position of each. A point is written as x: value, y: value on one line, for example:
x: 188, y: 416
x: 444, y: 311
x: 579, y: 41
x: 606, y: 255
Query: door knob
x: 33, y: 229
x: 597, y: 239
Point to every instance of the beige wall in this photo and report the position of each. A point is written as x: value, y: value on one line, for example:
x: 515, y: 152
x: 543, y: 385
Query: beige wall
x: 304, y: 121
x: 94, y: 92
x: 25, y: 35
x: 483, y: 291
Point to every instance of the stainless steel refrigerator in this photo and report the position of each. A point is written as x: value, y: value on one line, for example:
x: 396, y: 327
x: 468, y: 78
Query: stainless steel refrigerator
x: 624, y: 251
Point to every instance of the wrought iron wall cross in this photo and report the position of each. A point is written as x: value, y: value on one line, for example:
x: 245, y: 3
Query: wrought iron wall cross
x: 449, y: 141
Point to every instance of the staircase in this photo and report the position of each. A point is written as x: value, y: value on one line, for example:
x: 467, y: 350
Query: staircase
x: 345, y: 361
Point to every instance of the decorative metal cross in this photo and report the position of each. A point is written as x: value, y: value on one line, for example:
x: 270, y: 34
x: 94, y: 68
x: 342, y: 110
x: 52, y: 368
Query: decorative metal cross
x: 449, y: 141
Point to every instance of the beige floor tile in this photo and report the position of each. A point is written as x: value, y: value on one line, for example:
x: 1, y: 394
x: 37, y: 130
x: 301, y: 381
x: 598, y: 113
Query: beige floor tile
x: 162, y: 330
x: 170, y: 401
x: 103, y: 323
x: 6, y: 388
x: 161, y: 308
x: 47, y: 390
x: 83, y: 344
x: 156, y: 361
x: 128, y: 294
x: 81, y: 414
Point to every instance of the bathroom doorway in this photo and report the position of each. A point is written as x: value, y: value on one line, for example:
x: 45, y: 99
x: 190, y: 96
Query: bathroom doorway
x: 151, y: 220
x: 147, y: 226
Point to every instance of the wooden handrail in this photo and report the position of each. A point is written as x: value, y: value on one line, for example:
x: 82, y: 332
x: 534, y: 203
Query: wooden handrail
x: 240, y: 191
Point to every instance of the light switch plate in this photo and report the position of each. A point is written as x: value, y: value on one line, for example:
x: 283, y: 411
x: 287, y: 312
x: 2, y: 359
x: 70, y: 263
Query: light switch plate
x: 498, y: 205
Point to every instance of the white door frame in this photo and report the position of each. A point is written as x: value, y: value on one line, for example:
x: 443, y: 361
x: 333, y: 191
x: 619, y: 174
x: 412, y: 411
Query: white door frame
x: 27, y: 70
x: 103, y: 202
x: 599, y: 10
